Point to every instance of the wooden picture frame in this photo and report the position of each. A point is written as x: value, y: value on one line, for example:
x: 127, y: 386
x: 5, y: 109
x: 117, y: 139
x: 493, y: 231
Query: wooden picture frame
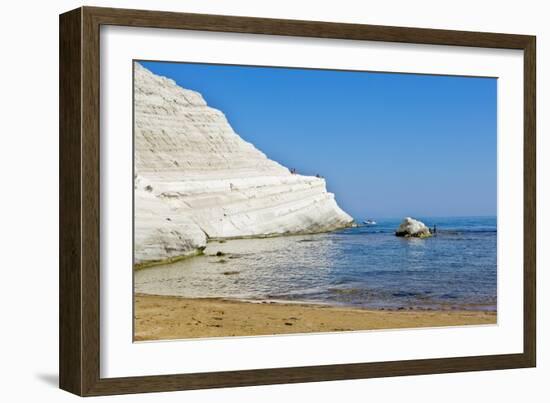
x: 79, y: 348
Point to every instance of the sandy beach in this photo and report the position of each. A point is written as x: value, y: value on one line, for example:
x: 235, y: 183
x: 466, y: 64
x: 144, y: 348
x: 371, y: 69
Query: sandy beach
x: 166, y: 317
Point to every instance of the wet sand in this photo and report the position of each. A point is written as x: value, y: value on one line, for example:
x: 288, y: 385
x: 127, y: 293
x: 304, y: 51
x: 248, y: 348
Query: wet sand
x: 166, y: 317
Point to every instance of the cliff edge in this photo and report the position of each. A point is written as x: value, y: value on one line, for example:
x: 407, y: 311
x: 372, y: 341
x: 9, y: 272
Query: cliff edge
x: 196, y: 179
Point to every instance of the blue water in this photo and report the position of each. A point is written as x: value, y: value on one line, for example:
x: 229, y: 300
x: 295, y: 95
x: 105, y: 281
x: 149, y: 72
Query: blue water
x: 367, y: 266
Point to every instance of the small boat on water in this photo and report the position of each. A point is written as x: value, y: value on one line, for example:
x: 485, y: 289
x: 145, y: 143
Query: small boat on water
x: 369, y: 222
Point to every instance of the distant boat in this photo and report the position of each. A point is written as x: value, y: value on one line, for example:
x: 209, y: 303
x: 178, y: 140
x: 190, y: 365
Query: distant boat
x: 369, y: 222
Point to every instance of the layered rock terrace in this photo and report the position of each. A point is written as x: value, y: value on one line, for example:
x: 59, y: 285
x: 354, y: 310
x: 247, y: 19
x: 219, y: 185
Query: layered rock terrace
x: 196, y: 179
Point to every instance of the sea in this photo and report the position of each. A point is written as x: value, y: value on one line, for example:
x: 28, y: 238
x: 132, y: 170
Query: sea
x: 366, y: 266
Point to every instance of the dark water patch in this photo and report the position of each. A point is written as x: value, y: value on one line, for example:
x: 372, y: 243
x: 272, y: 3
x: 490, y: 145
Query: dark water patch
x: 404, y: 294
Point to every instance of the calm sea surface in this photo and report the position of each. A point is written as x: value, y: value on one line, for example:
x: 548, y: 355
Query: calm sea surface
x: 364, y: 267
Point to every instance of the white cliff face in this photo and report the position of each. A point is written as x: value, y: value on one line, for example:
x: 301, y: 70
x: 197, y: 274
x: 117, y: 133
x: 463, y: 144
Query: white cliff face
x: 196, y: 179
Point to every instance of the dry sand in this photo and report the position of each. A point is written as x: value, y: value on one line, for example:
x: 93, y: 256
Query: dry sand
x: 164, y: 317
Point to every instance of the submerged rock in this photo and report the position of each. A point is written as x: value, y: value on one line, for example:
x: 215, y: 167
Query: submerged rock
x: 410, y: 227
x: 191, y: 167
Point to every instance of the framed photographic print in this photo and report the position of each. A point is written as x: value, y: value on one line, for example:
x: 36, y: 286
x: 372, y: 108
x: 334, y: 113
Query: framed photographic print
x: 249, y: 201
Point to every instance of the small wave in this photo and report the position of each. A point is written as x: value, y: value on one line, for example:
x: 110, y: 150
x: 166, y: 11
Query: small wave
x: 404, y: 294
x: 449, y: 296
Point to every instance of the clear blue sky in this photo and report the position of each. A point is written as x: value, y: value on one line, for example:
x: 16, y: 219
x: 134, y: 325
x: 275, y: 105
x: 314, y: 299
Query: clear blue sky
x: 389, y: 145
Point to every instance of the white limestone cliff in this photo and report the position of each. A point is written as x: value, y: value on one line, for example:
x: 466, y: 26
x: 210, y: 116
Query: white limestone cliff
x: 196, y: 179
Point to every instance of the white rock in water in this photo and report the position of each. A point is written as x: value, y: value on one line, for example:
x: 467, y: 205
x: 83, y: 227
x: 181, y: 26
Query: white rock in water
x: 410, y: 227
x: 196, y: 179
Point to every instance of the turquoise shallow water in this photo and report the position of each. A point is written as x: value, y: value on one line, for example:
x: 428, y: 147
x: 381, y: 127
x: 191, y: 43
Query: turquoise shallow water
x: 365, y: 267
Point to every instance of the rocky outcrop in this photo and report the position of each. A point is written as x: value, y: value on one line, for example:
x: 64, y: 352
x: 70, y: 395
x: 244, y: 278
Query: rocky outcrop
x: 196, y: 179
x: 410, y: 227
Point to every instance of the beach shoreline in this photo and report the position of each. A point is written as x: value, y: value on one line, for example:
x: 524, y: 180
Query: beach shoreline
x: 159, y: 317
